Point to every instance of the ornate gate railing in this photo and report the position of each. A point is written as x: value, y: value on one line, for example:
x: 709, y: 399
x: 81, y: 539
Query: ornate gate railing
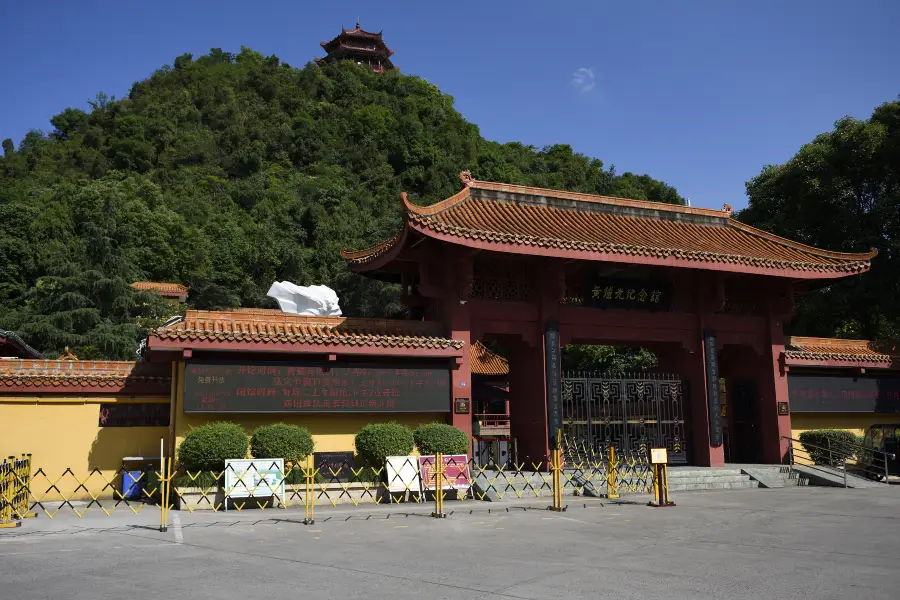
x: 632, y: 414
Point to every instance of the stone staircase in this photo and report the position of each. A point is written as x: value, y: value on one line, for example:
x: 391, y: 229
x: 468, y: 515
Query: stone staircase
x: 688, y: 479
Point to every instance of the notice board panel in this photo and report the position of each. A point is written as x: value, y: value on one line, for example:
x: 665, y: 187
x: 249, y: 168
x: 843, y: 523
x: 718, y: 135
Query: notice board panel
x: 257, y: 387
x: 836, y: 393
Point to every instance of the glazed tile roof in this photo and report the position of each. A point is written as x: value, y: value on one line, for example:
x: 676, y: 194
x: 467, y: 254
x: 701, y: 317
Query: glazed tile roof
x: 273, y: 326
x: 567, y: 224
x: 485, y: 362
x: 162, y: 288
x: 80, y: 374
x: 800, y: 349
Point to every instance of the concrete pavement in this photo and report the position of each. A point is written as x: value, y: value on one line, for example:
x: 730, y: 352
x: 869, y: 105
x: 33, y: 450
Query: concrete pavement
x: 789, y: 543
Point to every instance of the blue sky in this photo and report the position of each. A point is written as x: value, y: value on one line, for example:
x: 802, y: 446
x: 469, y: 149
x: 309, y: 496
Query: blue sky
x: 700, y: 94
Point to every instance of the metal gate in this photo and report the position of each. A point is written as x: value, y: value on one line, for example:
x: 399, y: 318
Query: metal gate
x: 632, y: 414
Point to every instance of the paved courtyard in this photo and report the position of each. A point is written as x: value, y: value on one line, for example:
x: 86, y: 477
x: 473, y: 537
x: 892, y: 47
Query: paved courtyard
x: 791, y: 543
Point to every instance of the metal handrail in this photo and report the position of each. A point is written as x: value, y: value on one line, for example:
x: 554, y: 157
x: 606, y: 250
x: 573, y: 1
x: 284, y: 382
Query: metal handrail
x: 841, y: 454
x: 858, y: 448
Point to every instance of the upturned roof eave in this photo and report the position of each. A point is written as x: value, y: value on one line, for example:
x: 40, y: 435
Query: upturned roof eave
x: 422, y: 219
x: 725, y: 264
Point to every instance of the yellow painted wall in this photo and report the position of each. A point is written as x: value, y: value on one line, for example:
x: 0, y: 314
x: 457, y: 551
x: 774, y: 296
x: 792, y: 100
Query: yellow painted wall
x: 63, y: 433
x: 858, y: 423
x: 330, y: 432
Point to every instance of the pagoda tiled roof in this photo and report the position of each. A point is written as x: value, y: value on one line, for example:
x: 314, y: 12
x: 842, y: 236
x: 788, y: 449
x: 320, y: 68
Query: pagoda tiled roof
x: 273, y: 327
x: 528, y: 220
x: 358, y: 34
x: 97, y: 375
x: 813, y: 351
x: 485, y: 362
x: 162, y: 288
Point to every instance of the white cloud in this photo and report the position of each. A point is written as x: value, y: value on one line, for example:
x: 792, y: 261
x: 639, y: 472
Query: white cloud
x: 583, y: 79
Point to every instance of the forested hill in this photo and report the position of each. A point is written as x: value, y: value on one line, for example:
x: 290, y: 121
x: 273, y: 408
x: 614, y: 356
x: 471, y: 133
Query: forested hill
x: 227, y: 173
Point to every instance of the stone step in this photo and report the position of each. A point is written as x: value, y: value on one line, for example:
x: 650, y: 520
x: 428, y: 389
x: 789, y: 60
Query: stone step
x: 692, y: 487
x: 682, y: 472
x: 708, y: 478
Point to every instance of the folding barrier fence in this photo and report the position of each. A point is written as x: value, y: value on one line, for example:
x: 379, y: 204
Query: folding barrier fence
x: 270, y: 483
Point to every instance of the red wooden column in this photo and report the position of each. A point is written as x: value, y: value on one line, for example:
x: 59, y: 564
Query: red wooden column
x: 457, y: 318
x: 773, y: 388
x: 528, y: 406
x: 708, y: 295
x: 690, y: 364
x: 461, y: 375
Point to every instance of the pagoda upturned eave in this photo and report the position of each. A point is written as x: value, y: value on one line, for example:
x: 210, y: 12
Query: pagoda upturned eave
x: 574, y: 226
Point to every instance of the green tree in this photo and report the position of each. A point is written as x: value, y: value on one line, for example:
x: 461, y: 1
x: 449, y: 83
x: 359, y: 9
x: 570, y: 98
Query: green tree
x: 841, y: 192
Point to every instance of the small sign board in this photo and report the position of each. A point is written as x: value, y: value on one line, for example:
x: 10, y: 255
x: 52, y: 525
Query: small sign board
x: 254, y: 478
x: 403, y: 474
x: 783, y: 409
x: 462, y: 406
x: 659, y: 456
x: 456, y: 472
x: 334, y: 465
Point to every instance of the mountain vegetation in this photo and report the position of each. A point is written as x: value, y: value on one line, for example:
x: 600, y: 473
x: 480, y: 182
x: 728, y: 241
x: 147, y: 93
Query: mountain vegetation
x: 227, y: 172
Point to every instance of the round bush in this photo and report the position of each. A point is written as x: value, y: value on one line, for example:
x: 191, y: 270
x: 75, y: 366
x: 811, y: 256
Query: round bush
x: 206, y: 448
x: 280, y: 440
x: 440, y: 437
x: 376, y: 441
x: 829, y: 447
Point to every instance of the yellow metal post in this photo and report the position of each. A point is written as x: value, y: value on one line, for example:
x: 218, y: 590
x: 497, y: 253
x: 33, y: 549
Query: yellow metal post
x: 438, y: 486
x: 7, y: 489
x: 660, y: 486
x: 309, y: 499
x: 163, y: 485
x: 556, y: 467
x: 612, y: 475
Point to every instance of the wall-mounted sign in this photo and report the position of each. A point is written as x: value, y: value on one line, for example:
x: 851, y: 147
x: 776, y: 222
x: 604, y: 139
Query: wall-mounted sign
x: 836, y: 393
x: 462, y: 406
x: 143, y: 414
x: 629, y: 294
x: 783, y: 409
x: 227, y: 387
x: 712, y: 387
x: 553, y: 360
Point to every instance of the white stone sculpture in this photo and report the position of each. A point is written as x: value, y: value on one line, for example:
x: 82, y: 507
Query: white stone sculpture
x: 314, y: 300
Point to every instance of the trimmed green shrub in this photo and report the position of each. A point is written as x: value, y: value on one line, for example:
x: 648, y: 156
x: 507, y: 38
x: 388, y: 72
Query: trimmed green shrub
x: 432, y: 438
x: 817, y: 443
x: 280, y: 440
x: 206, y: 448
x: 377, y: 441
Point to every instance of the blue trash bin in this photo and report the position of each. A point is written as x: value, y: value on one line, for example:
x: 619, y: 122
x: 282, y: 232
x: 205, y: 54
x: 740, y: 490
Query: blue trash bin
x: 132, y: 484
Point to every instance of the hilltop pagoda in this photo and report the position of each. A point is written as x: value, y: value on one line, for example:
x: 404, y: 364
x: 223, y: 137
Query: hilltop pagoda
x: 360, y: 46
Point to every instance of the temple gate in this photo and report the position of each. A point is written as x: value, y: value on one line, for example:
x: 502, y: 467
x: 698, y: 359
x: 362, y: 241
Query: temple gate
x: 536, y: 269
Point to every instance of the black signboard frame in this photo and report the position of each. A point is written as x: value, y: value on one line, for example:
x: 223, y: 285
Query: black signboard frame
x: 711, y: 355
x: 626, y: 294
x: 435, y: 398
x: 843, y: 393
x: 134, y: 414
